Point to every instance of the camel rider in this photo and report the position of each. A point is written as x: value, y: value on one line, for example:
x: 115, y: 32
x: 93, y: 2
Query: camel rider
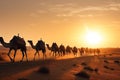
x: 20, y: 40
x: 18, y: 35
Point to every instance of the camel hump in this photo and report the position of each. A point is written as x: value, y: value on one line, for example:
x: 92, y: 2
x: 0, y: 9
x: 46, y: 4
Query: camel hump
x: 17, y: 40
x: 62, y: 47
x: 41, y: 42
x: 55, y: 45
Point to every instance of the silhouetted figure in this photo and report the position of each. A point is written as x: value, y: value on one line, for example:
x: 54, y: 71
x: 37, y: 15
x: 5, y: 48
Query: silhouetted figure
x: 18, y: 34
x: 40, y: 46
x: 68, y: 49
x: 81, y: 50
x: 74, y: 50
x: 86, y: 50
x: 98, y: 51
x: 62, y: 50
x: 15, y: 44
x: 54, y: 48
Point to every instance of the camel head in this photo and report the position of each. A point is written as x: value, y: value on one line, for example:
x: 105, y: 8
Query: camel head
x: 47, y: 44
x: 1, y: 39
x: 30, y: 41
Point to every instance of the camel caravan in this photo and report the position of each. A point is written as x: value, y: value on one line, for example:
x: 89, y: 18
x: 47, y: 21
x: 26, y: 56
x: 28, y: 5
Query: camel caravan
x: 18, y: 43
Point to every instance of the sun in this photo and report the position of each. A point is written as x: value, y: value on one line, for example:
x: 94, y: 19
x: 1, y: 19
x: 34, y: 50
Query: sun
x: 93, y: 37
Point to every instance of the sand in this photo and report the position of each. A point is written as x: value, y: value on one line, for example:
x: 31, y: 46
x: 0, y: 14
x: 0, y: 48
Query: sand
x: 102, y: 67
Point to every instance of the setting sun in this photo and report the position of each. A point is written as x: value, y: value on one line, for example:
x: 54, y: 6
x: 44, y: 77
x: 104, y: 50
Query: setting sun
x: 93, y: 37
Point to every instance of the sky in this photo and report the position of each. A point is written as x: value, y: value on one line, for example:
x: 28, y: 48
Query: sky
x: 61, y: 21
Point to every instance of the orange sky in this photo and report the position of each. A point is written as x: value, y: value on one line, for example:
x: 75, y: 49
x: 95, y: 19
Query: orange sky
x: 61, y: 21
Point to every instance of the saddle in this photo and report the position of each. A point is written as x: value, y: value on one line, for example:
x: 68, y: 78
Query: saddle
x: 17, y: 40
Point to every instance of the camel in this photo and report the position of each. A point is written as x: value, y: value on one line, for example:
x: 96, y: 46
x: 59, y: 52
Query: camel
x: 98, y: 51
x: 15, y: 43
x: 54, y: 48
x: 62, y: 50
x: 81, y: 50
x: 68, y: 49
x: 39, y: 46
x: 75, y: 50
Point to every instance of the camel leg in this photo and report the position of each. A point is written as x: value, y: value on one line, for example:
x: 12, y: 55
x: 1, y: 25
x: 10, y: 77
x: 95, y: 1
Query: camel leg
x: 44, y: 55
x: 38, y: 55
x: 59, y: 53
x: 35, y: 54
x: 26, y: 55
x: 14, y: 55
x: 9, y: 55
x: 22, y: 56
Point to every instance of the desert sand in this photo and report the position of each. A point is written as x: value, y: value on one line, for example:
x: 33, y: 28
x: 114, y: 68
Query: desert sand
x: 87, y: 67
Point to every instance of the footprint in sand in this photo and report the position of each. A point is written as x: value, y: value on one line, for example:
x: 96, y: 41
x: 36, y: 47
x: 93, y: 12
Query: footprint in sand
x: 82, y: 74
x: 108, y: 68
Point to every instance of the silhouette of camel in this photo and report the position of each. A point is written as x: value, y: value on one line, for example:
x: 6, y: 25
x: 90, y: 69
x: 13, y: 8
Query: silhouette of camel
x: 98, y: 51
x: 54, y: 48
x: 68, y: 49
x: 62, y: 50
x: 15, y: 43
x: 81, y: 50
x: 39, y: 46
x: 75, y: 50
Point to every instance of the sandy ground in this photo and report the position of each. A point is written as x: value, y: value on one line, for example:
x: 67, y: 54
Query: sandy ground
x: 103, y: 67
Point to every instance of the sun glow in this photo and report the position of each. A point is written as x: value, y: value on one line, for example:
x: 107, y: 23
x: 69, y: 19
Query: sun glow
x: 93, y: 37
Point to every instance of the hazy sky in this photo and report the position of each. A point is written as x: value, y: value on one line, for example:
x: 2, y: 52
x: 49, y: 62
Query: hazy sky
x: 61, y: 21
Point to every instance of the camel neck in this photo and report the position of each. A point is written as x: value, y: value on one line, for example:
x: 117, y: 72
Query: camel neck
x: 7, y: 45
x: 31, y: 43
x: 48, y: 47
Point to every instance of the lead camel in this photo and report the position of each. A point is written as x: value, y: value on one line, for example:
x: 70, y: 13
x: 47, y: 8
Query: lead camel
x: 15, y: 43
